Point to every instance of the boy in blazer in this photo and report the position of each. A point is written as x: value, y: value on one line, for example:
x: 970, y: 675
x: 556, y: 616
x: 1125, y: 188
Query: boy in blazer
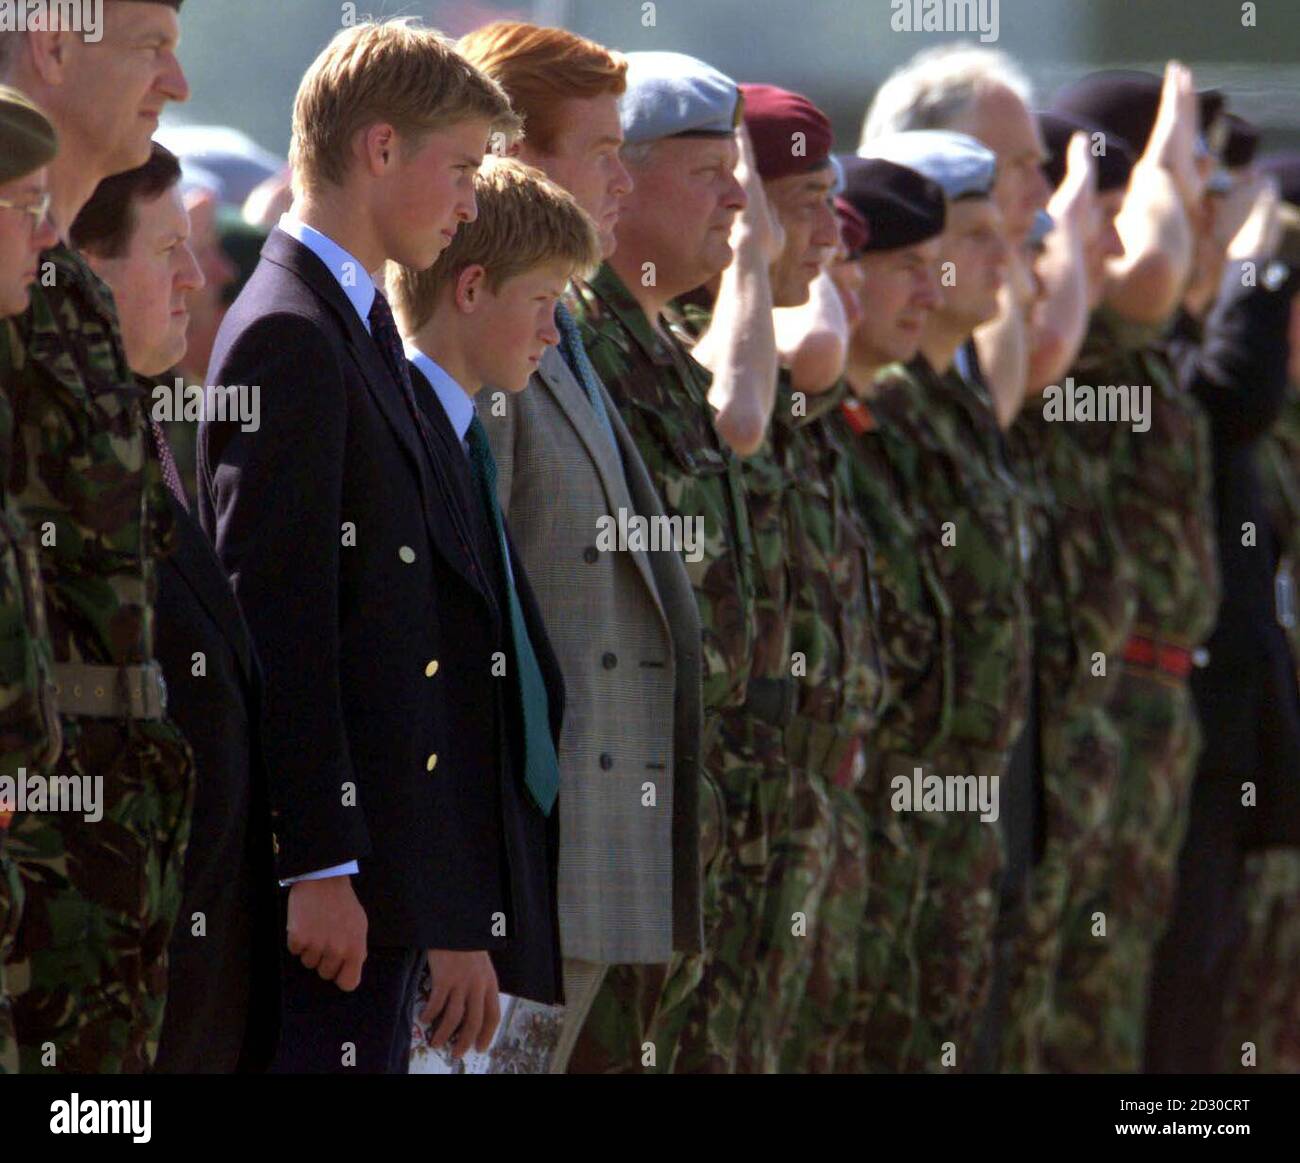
x: 484, y: 315
x: 338, y: 525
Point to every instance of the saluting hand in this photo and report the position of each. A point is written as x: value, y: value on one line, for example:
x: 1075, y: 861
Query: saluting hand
x: 1073, y: 205
x: 1259, y: 235
x: 756, y: 224
x: 1172, y: 144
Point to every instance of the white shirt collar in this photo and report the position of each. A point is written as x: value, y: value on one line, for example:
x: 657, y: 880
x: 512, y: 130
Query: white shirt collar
x: 961, y: 359
x: 455, y: 401
x: 355, y: 281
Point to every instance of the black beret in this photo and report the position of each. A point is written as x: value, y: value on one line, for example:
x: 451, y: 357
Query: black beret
x: 1285, y: 167
x: 901, y: 207
x: 1243, y: 141
x: 1125, y: 102
x: 1113, y: 166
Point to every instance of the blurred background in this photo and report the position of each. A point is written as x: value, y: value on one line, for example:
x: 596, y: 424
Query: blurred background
x: 244, y: 57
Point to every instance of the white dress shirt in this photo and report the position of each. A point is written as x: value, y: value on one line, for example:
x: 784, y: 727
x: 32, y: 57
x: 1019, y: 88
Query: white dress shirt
x: 359, y: 288
x: 356, y: 282
x: 455, y: 401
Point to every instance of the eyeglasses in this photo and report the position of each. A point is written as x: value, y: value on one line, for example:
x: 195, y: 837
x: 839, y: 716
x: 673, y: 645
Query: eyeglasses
x: 34, y: 210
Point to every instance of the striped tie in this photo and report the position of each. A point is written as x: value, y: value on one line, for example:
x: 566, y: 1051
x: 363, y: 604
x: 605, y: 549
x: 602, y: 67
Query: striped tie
x: 575, y: 355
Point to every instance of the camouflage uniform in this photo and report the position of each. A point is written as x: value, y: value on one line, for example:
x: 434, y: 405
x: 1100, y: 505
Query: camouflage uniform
x: 29, y: 724
x: 1262, y: 1007
x: 1159, y: 485
x: 933, y: 485
x: 841, y: 684
x: 761, y: 955
x: 1263, y: 1003
x: 971, y: 509
x: 88, y: 971
x: 662, y: 394
x: 1084, y: 596
x: 916, y: 635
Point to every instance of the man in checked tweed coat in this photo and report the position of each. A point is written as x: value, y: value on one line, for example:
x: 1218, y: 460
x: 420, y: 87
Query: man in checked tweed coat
x: 623, y: 622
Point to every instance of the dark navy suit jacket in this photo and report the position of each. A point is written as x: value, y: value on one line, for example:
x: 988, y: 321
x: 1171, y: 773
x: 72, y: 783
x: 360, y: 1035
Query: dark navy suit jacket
x: 347, y: 542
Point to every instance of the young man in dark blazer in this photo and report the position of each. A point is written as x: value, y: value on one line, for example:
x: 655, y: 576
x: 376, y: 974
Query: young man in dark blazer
x: 223, y: 988
x: 357, y: 573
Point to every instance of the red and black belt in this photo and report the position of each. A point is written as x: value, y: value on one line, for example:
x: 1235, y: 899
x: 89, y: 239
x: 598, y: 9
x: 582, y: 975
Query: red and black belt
x: 1153, y: 654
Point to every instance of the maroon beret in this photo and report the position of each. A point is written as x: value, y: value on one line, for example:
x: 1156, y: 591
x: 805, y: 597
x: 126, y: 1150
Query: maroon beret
x: 774, y: 117
x: 853, y: 227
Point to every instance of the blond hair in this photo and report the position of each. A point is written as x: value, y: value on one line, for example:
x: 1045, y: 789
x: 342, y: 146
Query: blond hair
x: 541, y: 67
x: 524, y: 221
x: 393, y: 71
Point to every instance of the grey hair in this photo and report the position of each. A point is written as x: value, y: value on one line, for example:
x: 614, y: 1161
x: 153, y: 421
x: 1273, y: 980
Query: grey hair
x: 934, y: 88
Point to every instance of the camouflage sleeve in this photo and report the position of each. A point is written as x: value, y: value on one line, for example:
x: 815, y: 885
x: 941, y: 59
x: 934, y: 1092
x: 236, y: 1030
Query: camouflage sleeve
x: 29, y: 723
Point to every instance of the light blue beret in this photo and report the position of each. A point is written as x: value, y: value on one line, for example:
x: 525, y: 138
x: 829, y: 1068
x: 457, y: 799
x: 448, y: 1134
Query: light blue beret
x: 1043, y: 225
x: 958, y: 163
x: 670, y: 94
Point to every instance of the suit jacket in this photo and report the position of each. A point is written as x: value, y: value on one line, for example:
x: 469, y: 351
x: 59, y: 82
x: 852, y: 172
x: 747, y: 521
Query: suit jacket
x: 223, y: 987
x: 626, y: 629
x: 349, y: 552
x: 1246, y: 697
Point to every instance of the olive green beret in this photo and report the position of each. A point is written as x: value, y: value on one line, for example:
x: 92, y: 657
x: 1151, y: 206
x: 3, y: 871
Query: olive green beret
x: 27, y: 139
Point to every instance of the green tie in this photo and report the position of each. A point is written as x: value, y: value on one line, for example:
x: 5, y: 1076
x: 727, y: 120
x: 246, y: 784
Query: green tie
x: 541, y: 767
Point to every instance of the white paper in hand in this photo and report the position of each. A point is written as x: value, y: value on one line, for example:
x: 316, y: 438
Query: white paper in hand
x: 523, y: 1044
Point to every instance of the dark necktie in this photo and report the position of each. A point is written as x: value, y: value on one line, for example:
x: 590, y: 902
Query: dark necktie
x: 383, y: 330
x: 541, y: 767
x: 575, y: 355
x: 171, y: 474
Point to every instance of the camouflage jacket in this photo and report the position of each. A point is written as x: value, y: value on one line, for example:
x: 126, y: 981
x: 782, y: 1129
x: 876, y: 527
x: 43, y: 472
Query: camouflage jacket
x: 29, y: 727
x: 767, y: 480
x: 971, y: 510
x: 914, y: 615
x: 834, y: 632
x: 662, y: 393
x: 1159, y: 482
x: 83, y: 472
x: 1083, y: 587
